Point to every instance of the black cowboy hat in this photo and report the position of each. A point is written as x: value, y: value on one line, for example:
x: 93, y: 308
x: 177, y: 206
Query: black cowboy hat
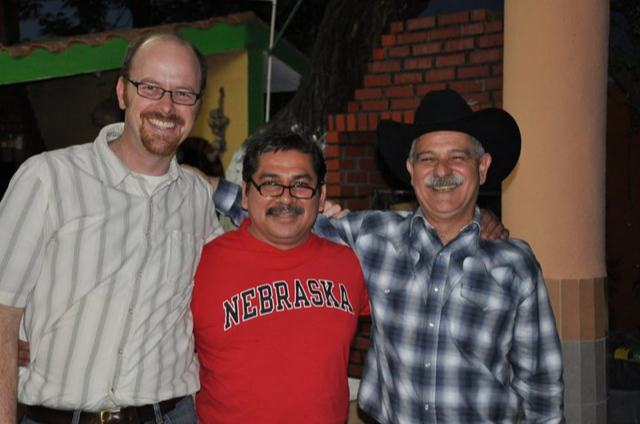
x: 446, y: 110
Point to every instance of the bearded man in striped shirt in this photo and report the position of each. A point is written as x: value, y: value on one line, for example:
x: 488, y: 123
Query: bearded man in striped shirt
x: 99, y: 247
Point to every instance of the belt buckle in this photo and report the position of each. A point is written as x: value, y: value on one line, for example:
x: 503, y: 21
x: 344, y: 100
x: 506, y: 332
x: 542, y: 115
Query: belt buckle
x: 108, y: 411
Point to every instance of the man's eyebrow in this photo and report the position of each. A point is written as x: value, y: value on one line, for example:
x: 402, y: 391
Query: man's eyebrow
x: 273, y: 175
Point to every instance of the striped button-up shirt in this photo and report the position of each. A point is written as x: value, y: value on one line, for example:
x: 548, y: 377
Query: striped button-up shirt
x: 103, y: 265
x: 462, y: 333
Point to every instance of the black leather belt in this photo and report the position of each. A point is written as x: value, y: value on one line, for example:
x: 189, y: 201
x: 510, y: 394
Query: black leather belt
x: 115, y: 415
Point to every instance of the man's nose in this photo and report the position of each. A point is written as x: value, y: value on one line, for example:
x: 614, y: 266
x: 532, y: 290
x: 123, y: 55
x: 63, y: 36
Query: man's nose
x: 442, y: 168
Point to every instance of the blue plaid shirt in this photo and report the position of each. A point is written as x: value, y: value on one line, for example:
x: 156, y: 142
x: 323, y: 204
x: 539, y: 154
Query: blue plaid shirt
x: 462, y: 333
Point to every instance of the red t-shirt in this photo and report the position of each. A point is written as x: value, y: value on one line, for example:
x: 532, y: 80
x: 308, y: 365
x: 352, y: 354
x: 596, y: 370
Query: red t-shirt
x: 273, y: 330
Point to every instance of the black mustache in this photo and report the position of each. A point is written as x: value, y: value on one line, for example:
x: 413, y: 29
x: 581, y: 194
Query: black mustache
x: 296, y: 210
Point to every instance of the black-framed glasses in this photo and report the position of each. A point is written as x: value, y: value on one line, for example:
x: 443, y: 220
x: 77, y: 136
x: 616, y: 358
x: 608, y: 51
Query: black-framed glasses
x: 273, y: 189
x: 154, y: 92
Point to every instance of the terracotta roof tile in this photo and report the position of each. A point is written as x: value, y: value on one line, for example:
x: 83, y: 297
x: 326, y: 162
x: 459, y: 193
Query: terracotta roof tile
x: 63, y: 43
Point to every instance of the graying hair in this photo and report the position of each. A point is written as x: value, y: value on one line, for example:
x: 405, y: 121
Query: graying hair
x: 477, y: 146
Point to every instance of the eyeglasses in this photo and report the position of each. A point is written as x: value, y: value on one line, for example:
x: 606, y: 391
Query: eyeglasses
x: 273, y: 189
x: 153, y: 92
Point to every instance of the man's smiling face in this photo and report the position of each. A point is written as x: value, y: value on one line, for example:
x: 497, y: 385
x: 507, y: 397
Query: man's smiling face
x: 159, y: 126
x: 446, y: 175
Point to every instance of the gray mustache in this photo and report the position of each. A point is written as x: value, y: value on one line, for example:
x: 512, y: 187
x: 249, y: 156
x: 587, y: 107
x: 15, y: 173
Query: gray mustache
x: 435, y: 182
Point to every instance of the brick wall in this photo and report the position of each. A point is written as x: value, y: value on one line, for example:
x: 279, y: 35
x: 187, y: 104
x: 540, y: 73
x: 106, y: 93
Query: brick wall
x: 462, y: 51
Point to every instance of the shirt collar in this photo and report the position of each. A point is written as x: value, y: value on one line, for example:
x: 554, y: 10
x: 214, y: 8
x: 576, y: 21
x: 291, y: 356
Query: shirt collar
x: 116, y: 169
x: 419, y: 222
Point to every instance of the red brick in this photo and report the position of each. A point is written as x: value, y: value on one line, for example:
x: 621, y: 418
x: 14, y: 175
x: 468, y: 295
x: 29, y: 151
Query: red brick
x: 426, y: 88
x: 353, y: 107
x: 356, y: 205
x: 482, y: 56
x: 334, y: 191
x: 398, y: 91
x: 473, y: 72
x: 376, y: 80
x: 355, y: 151
x: 413, y: 37
x: 385, y: 115
x: 388, y: 40
x: 450, y: 60
x: 367, y: 164
x: 333, y: 136
x: 493, y: 26
x: 421, y: 63
x: 460, y: 44
x: 385, y: 66
x: 408, y: 116
x: 355, y: 371
x: 439, y: 34
x: 453, y: 18
x: 347, y: 164
x: 341, y: 123
x: 333, y: 177
x: 441, y: 75
x: 421, y: 23
x: 378, y: 54
x: 364, y: 190
x: 357, y: 177
x: 362, y: 121
x: 396, y: 116
x: 408, y: 78
x: 473, y: 29
x: 491, y: 40
x: 351, y: 122
x: 401, y: 51
x: 493, y: 83
x: 332, y: 151
x: 373, y: 121
x: 363, y: 137
x: 348, y: 191
x: 356, y: 357
x: 428, y: 48
x: 370, y: 105
x: 396, y: 26
x: 404, y: 104
x: 368, y: 93
x: 330, y: 123
x: 333, y: 164
x: 468, y: 86
x: 479, y: 15
x: 497, y: 69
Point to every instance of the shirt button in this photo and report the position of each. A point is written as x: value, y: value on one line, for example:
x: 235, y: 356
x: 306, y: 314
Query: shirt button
x: 386, y: 291
x: 427, y: 365
x: 139, y: 274
x: 441, y: 254
x: 130, y: 311
x: 121, y: 351
x: 431, y: 325
x: 436, y: 290
x: 426, y: 407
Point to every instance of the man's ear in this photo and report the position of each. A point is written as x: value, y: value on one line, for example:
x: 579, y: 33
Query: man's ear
x: 410, y: 169
x: 120, y: 88
x: 245, y: 199
x: 323, y: 197
x: 483, y: 167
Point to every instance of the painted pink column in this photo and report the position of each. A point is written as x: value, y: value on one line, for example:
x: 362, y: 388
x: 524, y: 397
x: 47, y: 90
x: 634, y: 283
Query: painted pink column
x: 555, y: 74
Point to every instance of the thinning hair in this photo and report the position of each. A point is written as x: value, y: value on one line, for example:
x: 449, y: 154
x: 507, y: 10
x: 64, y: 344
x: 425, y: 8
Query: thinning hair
x: 136, y: 43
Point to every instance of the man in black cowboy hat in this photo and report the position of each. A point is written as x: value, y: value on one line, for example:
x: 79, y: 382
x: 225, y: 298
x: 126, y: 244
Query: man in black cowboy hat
x: 463, y: 329
x: 462, y: 326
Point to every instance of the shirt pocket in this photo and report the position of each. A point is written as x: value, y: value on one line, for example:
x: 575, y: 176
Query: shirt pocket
x: 480, y: 312
x: 184, y: 252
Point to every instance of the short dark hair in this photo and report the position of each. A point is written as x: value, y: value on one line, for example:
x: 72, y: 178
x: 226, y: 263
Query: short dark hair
x: 275, y: 142
x: 136, y: 43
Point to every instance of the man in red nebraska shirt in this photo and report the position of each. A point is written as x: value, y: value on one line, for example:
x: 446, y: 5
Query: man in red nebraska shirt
x: 275, y: 307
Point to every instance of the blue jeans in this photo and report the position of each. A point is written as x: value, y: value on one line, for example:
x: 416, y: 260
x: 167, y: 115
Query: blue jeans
x: 183, y: 413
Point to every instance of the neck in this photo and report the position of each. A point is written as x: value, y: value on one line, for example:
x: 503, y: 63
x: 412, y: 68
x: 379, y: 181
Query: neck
x: 138, y: 159
x: 447, y: 229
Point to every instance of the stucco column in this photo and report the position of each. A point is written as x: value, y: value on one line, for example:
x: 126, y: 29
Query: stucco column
x: 555, y: 74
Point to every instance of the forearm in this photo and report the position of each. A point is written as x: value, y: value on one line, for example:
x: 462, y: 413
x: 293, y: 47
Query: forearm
x: 9, y: 325
x: 228, y: 200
